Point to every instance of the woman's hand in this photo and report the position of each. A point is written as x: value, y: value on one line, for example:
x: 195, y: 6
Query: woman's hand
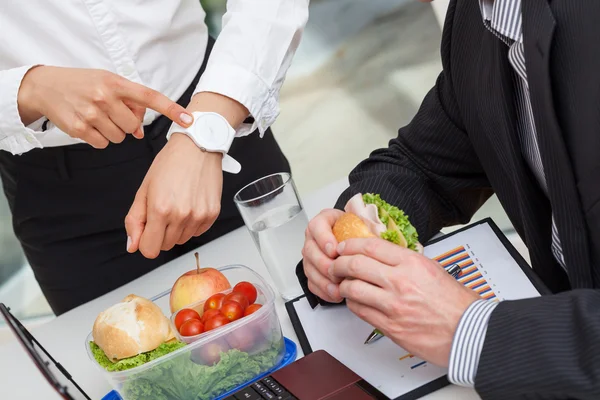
x: 96, y: 106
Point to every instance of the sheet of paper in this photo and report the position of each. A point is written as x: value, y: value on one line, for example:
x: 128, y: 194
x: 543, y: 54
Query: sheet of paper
x: 488, y: 268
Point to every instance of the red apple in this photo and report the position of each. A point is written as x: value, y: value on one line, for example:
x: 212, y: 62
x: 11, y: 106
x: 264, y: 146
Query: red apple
x: 197, y: 285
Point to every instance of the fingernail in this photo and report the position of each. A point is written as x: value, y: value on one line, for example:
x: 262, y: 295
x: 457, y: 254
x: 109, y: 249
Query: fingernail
x: 329, y: 249
x: 186, y: 118
x: 341, y: 247
x: 142, y: 129
x: 331, y: 289
x: 128, y: 242
x: 330, y: 270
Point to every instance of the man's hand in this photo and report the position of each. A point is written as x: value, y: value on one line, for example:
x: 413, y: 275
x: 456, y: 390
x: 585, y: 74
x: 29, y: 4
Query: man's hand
x: 407, y: 296
x: 179, y: 198
x: 93, y: 105
x: 318, y: 253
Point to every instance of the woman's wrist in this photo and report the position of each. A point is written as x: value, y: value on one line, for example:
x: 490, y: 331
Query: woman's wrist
x: 234, y: 112
x: 27, y: 99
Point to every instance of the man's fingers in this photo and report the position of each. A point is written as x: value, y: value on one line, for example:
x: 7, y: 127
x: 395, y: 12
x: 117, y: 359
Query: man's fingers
x: 321, y: 286
x: 321, y: 229
x: 314, y: 256
x: 135, y: 221
x: 379, y: 249
x: 368, y: 314
x: 360, y: 267
x: 156, y: 101
x: 366, y: 293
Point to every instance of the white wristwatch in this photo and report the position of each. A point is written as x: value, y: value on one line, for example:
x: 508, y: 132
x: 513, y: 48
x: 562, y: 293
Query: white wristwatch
x: 211, y: 132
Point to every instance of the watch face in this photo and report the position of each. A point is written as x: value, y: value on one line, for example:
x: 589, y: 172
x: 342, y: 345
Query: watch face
x: 214, y: 132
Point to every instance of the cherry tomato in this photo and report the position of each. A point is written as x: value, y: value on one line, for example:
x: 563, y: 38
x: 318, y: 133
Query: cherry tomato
x: 239, y: 298
x: 214, y: 302
x: 208, y: 314
x: 248, y: 290
x: 191, y: 327
x: 232, y: 310
x: 215, y: 322
x: 185, y: 315
x: 251, y: 309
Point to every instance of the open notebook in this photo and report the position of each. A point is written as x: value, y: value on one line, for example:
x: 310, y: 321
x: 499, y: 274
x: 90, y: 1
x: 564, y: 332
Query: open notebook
x: 490, y: 266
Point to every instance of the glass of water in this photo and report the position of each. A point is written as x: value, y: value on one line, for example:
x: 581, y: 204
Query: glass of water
x: 274, y: 215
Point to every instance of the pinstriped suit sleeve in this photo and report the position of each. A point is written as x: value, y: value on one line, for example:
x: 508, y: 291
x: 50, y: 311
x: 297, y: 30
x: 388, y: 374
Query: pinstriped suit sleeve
x: 468, y: 343
x: 430, y: 169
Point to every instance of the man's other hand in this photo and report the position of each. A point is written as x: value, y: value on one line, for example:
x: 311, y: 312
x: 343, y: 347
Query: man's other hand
x: 407, y: 296
x: 318, y: 253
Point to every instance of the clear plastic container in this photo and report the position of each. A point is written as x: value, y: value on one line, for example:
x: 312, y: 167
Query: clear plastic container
x: 214, y: 362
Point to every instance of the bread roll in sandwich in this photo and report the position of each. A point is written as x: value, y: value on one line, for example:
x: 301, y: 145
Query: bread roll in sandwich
x: 131, y: 327
x: 369, y: 216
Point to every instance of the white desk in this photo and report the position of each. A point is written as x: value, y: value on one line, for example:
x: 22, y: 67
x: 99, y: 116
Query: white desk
x: 64, y: 337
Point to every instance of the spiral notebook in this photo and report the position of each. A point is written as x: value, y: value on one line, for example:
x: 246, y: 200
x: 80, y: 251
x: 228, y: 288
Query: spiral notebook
x: 491, y: 266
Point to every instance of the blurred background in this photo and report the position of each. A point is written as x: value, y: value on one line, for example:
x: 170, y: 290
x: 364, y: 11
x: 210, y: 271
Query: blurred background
x: 360, y: 73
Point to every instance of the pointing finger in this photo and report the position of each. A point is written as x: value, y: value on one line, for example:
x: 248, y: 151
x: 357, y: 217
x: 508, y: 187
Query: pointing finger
x: 156, y: 101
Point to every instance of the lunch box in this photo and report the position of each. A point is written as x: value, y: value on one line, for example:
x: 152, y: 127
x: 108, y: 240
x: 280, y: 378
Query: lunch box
x: 213, y: 363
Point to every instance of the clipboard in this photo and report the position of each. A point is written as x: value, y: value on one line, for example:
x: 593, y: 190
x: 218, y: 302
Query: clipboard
x: 441, y: 381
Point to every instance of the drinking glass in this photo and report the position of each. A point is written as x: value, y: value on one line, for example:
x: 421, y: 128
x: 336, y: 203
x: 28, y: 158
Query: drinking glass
x: 273, y: 213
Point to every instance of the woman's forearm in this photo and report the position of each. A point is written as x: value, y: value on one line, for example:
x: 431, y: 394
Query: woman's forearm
x: 234, y: 112
x: 26, y: 98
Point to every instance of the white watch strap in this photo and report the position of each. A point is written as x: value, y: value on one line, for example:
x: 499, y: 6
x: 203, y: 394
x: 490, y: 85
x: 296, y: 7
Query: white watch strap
x: 229, y: 164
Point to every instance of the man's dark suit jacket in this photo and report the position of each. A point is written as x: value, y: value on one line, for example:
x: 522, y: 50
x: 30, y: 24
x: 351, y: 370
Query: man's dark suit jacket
x: 463, y: 146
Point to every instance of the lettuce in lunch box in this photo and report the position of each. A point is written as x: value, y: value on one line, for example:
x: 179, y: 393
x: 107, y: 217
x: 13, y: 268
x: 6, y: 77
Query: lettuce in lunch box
x: 182, y: 379
x: 135, y: 361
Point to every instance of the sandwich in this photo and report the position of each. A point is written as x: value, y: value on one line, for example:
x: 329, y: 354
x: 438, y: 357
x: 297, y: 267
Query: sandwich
x: 367, y: 215
x: 131, y: 333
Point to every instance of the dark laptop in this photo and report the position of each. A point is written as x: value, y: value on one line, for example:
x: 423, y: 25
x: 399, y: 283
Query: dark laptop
x: 317, y: 376
x: 314, y: 377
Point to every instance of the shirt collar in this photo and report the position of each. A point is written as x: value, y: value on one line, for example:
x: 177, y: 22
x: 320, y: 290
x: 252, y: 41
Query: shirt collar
x: 503, y: 17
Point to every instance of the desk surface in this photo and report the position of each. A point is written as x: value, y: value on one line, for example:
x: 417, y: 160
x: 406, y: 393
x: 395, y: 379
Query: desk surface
x: 64, y: 337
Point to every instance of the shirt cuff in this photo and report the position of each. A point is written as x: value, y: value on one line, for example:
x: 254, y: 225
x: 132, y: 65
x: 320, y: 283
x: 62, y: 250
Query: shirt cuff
x: 246, y: 88
x: 14, y: 135
x: 468, y: 343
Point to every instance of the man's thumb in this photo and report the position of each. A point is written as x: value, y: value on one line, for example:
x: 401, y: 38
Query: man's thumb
x: 135, y: 221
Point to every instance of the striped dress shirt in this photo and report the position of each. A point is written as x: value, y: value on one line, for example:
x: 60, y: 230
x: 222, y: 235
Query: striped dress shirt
x: 503, y: 19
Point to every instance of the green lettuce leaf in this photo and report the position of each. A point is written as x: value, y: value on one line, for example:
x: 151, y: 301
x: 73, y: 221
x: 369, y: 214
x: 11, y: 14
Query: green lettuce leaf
x: 135, y: 361
x: 387, y: 211
x: 181, y: 379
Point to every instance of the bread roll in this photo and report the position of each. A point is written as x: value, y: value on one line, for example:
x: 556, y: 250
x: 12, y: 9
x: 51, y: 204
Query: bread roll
x: 133, y: 326
x: 350, y: 226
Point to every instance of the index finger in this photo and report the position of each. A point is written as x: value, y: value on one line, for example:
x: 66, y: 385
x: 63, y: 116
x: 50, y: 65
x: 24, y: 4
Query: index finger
x: 150, y: 98
x: 376, y: 248
x: 321, y: 229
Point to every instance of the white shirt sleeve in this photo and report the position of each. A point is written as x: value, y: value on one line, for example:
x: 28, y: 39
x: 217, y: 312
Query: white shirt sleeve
x: 468, y: 343
x: 15, y: 137
x: 252, y: 55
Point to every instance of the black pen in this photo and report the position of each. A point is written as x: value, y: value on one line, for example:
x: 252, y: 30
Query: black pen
x: 454, y: 270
